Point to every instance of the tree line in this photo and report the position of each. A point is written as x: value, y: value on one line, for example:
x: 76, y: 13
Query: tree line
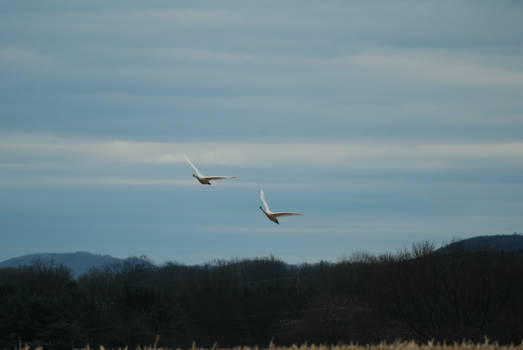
x: 418, y: 294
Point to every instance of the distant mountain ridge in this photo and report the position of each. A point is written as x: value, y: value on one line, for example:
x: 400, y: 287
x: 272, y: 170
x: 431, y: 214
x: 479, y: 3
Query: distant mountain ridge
x: 79, y: 262
x: 504, y: 243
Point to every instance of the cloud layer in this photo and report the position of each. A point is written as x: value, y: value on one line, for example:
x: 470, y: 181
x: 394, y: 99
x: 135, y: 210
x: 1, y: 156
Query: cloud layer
x: 340, y: 156
x: 384, y: 122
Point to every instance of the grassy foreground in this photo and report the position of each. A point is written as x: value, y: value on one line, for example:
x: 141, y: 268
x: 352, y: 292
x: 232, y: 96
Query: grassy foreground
x: 399, y: 345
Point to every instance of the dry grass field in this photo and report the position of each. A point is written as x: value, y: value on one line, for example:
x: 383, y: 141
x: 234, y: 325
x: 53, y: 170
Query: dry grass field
x: 399, y: 345
x: 382, y: 346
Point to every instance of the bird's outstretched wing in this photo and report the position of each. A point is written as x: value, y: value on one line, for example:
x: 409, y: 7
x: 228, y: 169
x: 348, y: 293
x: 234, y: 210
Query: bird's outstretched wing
x: 262, y: 197
x: 219, y: 177
x: 286, y: 214
x: 192, y: 165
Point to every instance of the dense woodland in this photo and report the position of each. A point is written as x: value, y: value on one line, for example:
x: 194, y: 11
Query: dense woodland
x: 416, y: 294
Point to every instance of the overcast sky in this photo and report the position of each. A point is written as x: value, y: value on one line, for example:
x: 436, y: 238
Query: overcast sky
x: 385, y: 123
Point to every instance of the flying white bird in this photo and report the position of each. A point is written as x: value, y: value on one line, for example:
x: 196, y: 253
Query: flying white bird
x: 273, y: 216
x: 205, y: 180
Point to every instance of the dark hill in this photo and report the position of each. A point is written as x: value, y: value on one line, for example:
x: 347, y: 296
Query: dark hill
x: 79, y: 262
x: 504, y: 243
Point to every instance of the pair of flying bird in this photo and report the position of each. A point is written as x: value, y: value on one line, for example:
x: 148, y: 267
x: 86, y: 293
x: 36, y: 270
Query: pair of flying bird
x: 206, y: 180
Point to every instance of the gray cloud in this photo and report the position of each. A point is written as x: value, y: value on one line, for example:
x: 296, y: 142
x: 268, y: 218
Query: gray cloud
x: 382, y: 117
